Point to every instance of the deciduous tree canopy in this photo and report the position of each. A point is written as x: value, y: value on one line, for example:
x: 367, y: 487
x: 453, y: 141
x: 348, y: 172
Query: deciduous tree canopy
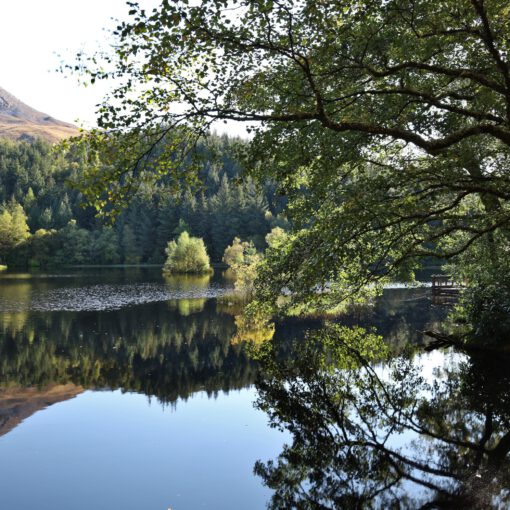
x: 393, y: 116
x: 187, y: 255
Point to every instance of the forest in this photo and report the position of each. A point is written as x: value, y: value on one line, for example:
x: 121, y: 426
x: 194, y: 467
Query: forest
x: 386, y: 126
x: 45, y: 220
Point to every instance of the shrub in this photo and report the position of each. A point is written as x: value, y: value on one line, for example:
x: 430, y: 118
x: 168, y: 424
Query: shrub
x: 243, y: 260
x: 187, y: 255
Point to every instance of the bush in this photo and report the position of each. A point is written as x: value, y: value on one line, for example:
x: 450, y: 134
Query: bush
x: 243, y: 260
x: 484, y: 306
x: 187, y: 255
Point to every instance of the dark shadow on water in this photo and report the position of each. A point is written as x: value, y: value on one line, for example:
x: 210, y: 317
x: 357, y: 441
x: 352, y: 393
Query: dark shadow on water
x: 413, y: 431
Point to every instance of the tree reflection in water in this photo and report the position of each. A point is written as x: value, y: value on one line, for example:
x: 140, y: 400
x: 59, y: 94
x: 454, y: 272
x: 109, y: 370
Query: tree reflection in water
x: 373, y: 432
x: 166, y: 350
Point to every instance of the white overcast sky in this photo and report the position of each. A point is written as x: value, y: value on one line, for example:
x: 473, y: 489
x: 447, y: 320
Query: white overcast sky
x: 33, y: 33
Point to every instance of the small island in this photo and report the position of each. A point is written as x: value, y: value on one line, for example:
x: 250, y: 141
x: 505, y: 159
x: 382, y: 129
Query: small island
x: 187, y: 255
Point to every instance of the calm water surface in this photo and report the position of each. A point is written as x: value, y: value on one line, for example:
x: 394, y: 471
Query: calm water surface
x: 122, y: 389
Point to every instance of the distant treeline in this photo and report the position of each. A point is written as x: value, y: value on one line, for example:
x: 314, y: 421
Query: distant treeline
x: 59, y: 230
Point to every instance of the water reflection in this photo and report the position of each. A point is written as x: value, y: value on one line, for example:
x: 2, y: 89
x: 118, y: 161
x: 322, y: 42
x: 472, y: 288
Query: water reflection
x: 17, y: 404
x: 156, y: 349
x: 400, y: 315
x: 175, y: 342
x: 370, y: 431
x: 372, y: 425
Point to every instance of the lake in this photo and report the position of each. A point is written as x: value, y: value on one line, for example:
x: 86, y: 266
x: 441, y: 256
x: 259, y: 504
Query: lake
x: 120, y: 388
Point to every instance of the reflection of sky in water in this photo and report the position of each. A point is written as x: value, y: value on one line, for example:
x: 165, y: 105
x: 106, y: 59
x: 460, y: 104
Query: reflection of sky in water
x: 411, y: 444
x: 108, y: 450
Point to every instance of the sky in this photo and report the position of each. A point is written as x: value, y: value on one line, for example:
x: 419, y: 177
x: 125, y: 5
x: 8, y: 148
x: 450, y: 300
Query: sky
x: 36, y: 35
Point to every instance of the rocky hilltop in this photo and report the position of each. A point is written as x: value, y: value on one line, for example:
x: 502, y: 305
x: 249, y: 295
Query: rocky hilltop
x: 19, y: 121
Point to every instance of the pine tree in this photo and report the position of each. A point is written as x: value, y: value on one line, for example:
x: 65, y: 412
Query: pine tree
x: 64, y: 213
x: 20, y: 230
x: 130, y: 251
x: 46, y: 219
x: 5, y: 233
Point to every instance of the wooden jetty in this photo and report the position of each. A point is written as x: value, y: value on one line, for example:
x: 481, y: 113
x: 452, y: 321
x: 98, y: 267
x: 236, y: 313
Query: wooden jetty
x: 445, y: 291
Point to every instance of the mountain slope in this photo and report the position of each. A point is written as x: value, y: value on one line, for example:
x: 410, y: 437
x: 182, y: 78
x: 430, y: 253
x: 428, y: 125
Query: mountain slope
x: 18, y: 404
x: 19, y: 121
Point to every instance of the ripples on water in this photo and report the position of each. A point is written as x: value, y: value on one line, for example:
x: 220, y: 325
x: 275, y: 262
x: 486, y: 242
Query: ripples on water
x: 104, y: 297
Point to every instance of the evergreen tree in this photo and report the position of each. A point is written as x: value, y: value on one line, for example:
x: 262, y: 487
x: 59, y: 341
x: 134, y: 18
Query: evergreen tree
x: 20, y: 230
x: 181, y: 227
x: 131, y: 253
x: 75, y: 245
x: 64, y: 212
x: 33, y: 175
x: 105, y: 247
x: 46, y: 219
x: 5, y: 233
x: 167, y: 221
x: 29, y: 199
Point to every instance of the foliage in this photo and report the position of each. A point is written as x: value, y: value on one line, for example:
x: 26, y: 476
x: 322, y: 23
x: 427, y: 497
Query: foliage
x: 485, y: 303
x: 276, y: 238
x: 187, y: 255
x: 387, y: 125
x: 252, y: 328
x: 186, y: 353
x: 243, y: 260
x: 13, y: 228
x: 234, y: 254
x: 40, y: 179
